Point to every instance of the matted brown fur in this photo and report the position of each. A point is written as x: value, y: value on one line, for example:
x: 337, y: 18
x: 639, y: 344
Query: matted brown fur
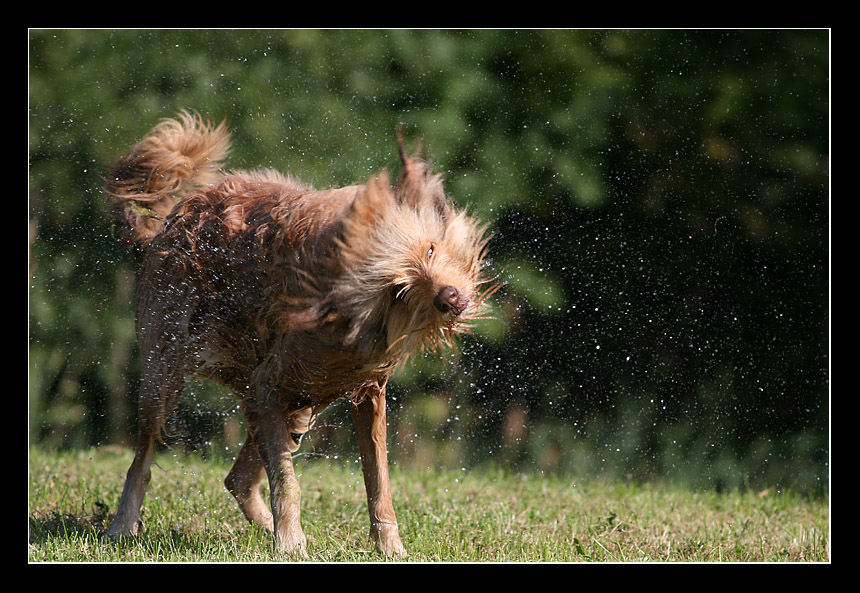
x: 292, y: 297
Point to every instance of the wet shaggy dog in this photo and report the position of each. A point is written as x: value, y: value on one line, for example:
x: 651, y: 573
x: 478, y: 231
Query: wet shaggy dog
x: 292, y: 297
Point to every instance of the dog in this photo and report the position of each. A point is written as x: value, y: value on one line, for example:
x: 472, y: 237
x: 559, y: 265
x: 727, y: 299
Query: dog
x: 292, y: 297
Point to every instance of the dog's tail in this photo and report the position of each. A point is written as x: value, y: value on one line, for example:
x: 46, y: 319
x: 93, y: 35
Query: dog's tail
x: 145, y: 184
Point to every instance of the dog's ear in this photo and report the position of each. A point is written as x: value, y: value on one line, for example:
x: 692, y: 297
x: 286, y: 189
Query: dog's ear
x: 373, y: 200
x: 417, y: 186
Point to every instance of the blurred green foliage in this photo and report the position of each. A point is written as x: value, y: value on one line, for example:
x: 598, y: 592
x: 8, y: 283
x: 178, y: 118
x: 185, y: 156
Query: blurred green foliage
x: 659, y: 202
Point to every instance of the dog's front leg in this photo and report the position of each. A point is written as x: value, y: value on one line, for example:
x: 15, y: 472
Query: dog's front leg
x: 268, y: 425
x: 370, y: 426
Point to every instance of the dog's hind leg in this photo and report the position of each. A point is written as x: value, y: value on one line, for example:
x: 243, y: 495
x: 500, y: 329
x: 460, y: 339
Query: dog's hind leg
x: 369, y: 418
x: 244, y: 479
x: 157, y: 400
x: 243, y: 482
x: 127, y: 520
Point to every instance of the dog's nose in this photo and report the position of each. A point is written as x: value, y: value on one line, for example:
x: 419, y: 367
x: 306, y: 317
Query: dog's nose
x: 449, y: 299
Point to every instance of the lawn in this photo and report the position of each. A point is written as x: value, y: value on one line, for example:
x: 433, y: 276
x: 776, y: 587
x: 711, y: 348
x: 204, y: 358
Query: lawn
x: 484, y: 515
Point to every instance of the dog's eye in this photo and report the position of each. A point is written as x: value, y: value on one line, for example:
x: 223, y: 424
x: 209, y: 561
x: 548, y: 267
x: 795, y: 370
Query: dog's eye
x: 430, y: 251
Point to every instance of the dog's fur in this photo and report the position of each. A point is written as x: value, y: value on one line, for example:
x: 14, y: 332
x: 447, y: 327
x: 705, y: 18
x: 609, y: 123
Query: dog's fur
x: 292, y: 297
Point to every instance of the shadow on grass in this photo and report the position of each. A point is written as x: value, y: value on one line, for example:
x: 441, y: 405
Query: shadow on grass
x: 54, y: 530
x: 54, y: 525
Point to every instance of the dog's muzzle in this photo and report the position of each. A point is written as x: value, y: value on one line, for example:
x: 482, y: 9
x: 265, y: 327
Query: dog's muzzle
x: 450, y: 300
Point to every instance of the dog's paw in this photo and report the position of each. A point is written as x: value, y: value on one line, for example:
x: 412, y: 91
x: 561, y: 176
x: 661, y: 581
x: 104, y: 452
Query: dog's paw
x: 120, y: 529
x: 292, y: 545
x: 386, y: 536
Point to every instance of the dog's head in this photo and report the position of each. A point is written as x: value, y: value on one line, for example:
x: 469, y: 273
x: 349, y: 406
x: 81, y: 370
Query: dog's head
x: 412, y: 261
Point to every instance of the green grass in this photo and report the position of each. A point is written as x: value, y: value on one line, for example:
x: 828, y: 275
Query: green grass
x: 444, y: 516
